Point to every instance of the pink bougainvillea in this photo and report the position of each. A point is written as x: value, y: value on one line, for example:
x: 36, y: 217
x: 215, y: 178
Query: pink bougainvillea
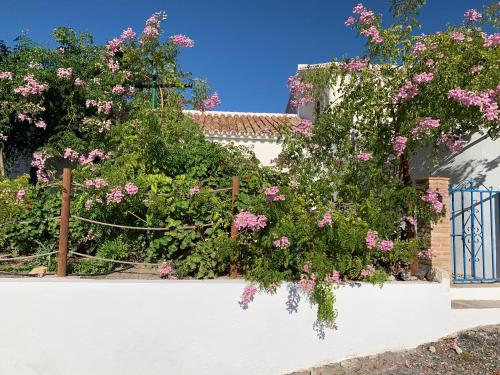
x: 425, y: 126
x: 6, y: 75
x: 211, y: 102
x: 333, y: 278
x: 128, y: 34
x: 299, y: 92
x: 364, y: 156
x: 433, y: 198
x: 373, y: 33
x: 282, y: 242
x: 476, y: 69
x: 408, y: 91
x: 31, y: 87
x: 38, y: 161
x: 368, y: 271
x: 452, y: 141
x: 308, y: 280
x: 325, y: 220
x: 115, y: 195
x: 20, y: 194
x: 423, y: 77
x: 247, y: 220
x: 485, y: 101
x: 304, y: 127
x: 355, y: 65
x: 167, y: 272
x: 272, y: 194
x: 472, y: 15
x: 130, y: 188
x: 64, y: 73
x: 182, y: 40
x: 386, y: 245
x: 399, y: 144
x: 371, y: 239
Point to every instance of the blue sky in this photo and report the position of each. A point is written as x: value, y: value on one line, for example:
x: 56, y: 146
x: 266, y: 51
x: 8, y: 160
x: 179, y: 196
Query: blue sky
x: 245, y: 48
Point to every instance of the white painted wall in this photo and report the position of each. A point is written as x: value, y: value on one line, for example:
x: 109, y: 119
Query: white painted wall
x: 265, y: 148
x: 78, y: 327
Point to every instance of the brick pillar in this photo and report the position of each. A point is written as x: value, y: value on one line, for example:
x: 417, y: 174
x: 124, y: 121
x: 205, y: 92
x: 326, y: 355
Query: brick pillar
x: 440, y: 233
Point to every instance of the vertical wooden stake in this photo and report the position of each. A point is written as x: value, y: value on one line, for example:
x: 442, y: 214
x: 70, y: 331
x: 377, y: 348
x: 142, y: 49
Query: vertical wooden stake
x: 62, y: 258
x: 233, y: 267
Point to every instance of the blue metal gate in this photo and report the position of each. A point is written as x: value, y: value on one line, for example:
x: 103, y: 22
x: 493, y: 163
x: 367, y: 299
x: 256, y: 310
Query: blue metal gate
x: 475, y: 223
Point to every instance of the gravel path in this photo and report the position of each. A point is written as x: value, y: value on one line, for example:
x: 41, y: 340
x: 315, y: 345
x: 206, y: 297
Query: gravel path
x: 472, y: 352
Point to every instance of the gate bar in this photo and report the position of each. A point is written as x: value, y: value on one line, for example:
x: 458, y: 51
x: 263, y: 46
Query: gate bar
x: 453, y: 232
x: 473, y: 242
x: 463, y: 235
x: 482, y: 234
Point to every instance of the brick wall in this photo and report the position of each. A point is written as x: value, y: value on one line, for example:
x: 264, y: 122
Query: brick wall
x: 440, y: 233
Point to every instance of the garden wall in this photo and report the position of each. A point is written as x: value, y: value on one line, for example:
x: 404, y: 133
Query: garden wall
x: 81, y: 327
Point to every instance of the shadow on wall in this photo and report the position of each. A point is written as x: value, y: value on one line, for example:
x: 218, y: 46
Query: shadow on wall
x: 479, y: 160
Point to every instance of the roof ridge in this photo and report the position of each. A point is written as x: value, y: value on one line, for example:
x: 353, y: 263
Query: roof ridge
x: 195, y: 111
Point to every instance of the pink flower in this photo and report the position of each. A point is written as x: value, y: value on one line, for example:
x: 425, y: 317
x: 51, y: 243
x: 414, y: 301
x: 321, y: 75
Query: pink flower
x: 211, y: 102
x: 418, y: 49
x: 282, y: 243
x: 408, y: 91
x: 304, y: 127
x: 248, y: 295
x: 367, y: 17
x: 6, y: 75
x: 373, y: 33
x: 412, y: 220
x: 457, y: 36
x: 350, y: 21
x: 167, y: 272
x: 182, y: 40
x: 356, y: 65
x: 31, y: 87
x: 491, y: 40
x: 371, y: 239
x: 399, y: 145
x: 113, y: 65
x: 194, y: 190
x: 358, y: 9
x: 131, y: 189
x: 115, y: 195
x: 425, y: 126
x: 79, y: 82
x: 429, y: 62
x: 246, y: 219
x: 368, y: 271
x: 118, y: 89
x: 100, y: 183
x: 128, y: 34
x: 476, y: 69
x: 423, y: 77
x: 364, y: 156
x: 333, y: 278
x: 40, y: 124
x: 432, y: 197
x: 452, y: 141
x: 39, y: 160
x: 89, y: 203
x: 71, y: 155
x: 299, y: 92
x: 272, y: 194
x: 64, y: 73
x: 326, y: 220
x: 472, y: 15
x: 20, y: 194
x: 307, y: 282
x: 426, y: 254
x: 386, y: 245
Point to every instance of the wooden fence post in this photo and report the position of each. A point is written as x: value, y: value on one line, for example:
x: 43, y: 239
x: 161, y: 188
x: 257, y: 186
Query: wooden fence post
x: 62, y: 258
x: 233, y: 267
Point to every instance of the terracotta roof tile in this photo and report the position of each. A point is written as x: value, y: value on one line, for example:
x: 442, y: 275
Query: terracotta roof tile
x: 256, y: 124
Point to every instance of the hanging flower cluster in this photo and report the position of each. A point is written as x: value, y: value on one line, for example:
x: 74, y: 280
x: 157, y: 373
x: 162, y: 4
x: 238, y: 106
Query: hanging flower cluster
x: 333, y: 278
x: 399, y: 145
x: 182, y: 40
x: 355, y: 65
x: 364, y: 156
x: 308, y: 280
x: 425, y: 126
x: 434, y: 199
x: 367, y: 271
x: 6, y: 75
x: 152, y: 29
x: 365, y: 18
x: 304, y: 127
x: 299, y: 92
x: 211, y: 102
x: 39, y: 160
x: 486, y: 101
x: 452, y: 141
x: 64, y: 73
x: 472, y: 15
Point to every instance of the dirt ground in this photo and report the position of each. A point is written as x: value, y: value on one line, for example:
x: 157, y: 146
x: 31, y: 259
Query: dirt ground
x: 473, y: 352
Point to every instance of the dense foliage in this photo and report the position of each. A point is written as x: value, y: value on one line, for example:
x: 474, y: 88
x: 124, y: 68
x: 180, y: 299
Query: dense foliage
x: 339, y: 205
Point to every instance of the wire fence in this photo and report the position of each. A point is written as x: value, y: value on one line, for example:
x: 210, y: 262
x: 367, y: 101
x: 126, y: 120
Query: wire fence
x: 65, y: 218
